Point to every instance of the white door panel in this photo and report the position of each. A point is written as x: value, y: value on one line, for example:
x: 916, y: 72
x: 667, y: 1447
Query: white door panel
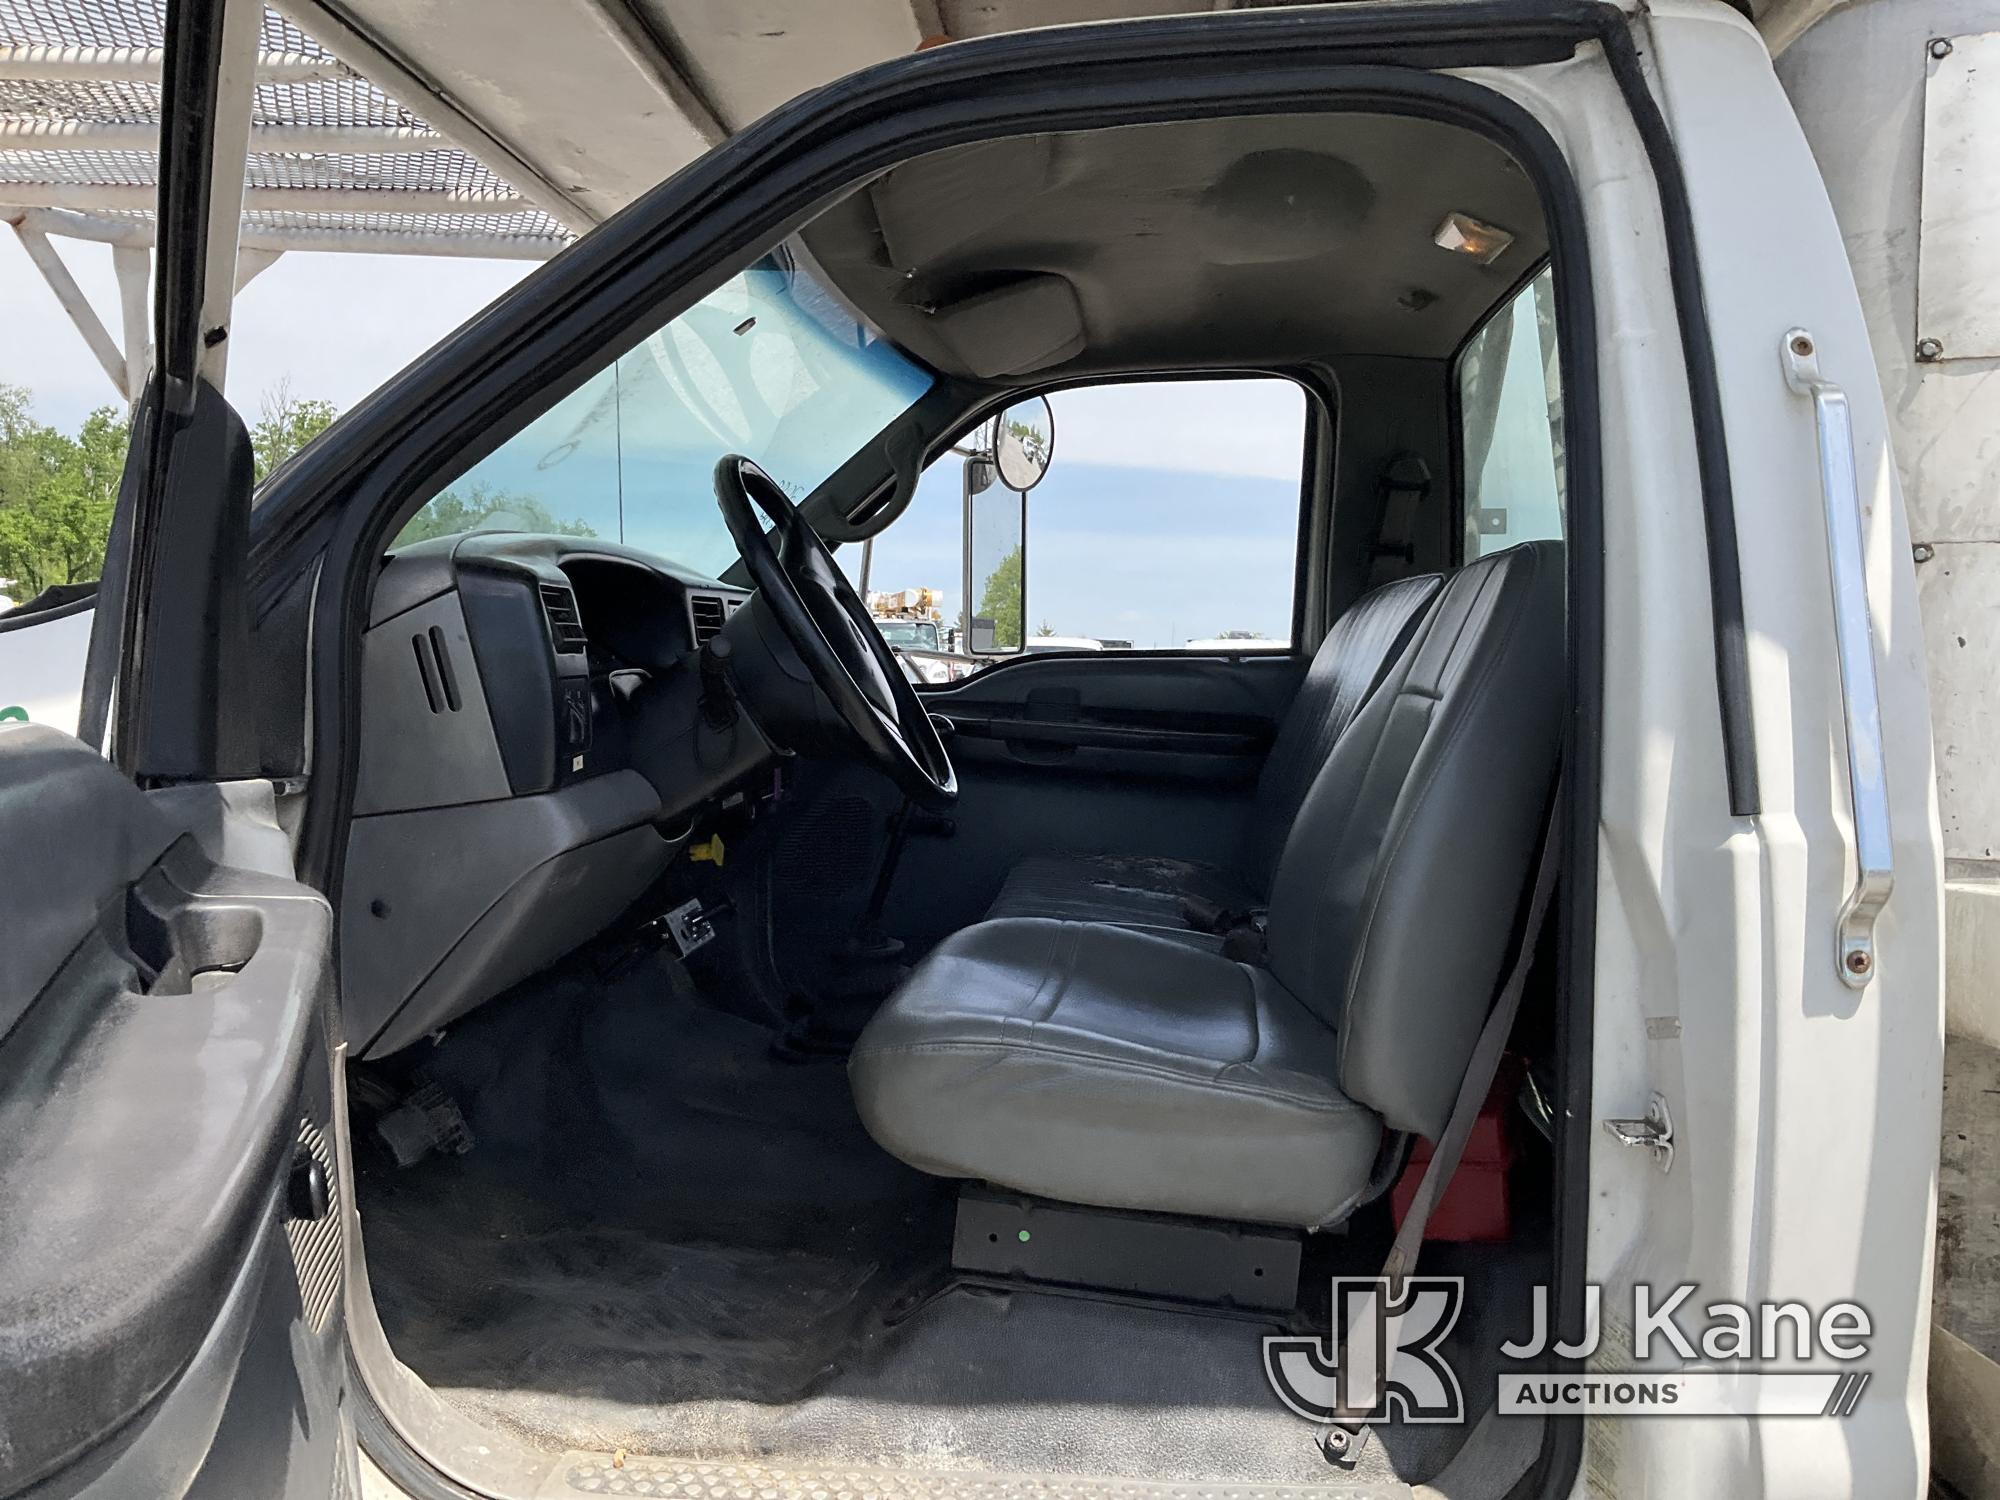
x: 1805, y: 1111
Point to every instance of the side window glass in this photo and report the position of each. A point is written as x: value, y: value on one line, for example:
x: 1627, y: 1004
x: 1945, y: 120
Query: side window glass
x: 1510, y: 425
x: 1166, y: 519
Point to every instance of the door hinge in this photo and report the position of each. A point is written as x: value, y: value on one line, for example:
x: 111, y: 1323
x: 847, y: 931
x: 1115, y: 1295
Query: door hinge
x: 1655, y: 1133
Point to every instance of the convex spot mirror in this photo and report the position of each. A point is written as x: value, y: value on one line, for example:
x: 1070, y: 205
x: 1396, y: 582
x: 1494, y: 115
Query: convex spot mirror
x: 1024, y: 441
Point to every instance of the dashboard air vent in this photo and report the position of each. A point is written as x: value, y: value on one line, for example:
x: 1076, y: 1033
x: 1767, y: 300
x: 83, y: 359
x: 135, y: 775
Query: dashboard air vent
x: 565, y: 624
x: 434, y: 671
x: 708, y: 614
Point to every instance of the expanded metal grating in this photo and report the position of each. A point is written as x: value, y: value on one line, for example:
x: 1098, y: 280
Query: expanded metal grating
x: 80, y: 172
x: 431, y: 170
x: 694, y: 1479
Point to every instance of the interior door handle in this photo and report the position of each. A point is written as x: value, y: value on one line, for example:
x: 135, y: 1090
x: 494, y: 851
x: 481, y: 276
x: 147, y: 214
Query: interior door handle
x: 1854, y: 640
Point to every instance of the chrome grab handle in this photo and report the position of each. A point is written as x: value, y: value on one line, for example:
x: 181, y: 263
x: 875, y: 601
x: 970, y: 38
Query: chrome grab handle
x: 1854, y: 638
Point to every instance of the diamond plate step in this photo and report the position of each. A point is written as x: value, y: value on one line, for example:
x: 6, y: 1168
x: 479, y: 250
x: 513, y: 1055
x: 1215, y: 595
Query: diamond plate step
x: 689, y: 1479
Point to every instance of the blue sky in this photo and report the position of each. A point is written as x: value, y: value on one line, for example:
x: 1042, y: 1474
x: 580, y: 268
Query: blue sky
x: 1153, y: 556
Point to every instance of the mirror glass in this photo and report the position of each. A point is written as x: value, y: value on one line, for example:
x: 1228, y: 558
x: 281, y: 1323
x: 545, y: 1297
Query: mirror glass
x: 1024, y: 440
x: 996, y: 570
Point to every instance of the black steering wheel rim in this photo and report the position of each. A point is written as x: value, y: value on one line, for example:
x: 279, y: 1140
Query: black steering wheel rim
x: 828, y: 626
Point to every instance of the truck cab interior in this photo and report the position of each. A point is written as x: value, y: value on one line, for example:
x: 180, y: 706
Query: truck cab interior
x: 759, y: 1053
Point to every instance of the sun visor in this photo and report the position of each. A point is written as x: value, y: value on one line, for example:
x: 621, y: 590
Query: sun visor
x: 930, y: 207
x: 1026, y: 325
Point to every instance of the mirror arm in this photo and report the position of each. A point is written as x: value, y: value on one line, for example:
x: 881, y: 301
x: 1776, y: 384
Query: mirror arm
x: 965, y: 493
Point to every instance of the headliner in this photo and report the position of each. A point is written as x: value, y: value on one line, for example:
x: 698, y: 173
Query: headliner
x: 1263, y: 240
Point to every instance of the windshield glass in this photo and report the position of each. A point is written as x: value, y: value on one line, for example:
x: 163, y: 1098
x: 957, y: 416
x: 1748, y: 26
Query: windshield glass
x: 912, y: 635
x: 768, y: 365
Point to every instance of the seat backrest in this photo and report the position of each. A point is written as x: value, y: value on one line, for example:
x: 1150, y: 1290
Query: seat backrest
x: 1356, y: 655
x: 1402, y: 880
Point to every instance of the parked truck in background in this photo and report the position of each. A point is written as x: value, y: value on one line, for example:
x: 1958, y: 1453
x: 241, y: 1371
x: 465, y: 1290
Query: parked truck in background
x: 912, y: 622
x: 909, y: 619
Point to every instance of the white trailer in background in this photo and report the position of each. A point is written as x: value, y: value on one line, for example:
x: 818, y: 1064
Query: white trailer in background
x: 1901, y: 104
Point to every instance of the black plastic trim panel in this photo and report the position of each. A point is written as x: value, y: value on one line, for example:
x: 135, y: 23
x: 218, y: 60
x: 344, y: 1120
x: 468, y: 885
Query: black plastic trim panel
x: 503, y: 618
x: 1138, y: 738
x: 22, y: 616
x: 148, y: 1094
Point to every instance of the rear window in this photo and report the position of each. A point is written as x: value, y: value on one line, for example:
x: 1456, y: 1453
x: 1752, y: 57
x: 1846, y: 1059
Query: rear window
x: 1510, y: 433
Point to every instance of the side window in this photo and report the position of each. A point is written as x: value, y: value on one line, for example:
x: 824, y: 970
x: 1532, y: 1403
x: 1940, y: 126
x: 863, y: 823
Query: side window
x: 1510, y: 425
x: 1167, y: 519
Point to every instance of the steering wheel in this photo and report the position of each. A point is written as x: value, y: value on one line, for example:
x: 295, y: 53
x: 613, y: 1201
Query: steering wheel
x: 829, y: 628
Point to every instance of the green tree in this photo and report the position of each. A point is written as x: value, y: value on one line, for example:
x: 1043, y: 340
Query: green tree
x: 1000, y: 599
x: 482, y: 506
x: 57, y: 492
x: 285, y: 424
x: 56, y: 496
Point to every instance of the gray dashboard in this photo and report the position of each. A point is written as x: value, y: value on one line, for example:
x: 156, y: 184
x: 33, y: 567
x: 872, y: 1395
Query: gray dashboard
x: 498, y: 822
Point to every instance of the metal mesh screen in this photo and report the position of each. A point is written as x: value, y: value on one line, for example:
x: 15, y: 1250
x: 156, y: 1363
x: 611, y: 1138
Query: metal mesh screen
x: 84, y: 23
x: 530, y: 223
x: 423, y: 171
x: 124, y: 23
x: 341, y: 99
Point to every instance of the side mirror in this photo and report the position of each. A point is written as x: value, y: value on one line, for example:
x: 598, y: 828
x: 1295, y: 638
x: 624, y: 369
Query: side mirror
x: 995, y: 563
x: 1016, y: 451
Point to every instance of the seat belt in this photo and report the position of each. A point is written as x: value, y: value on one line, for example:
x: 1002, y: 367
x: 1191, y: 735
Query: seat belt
x: 1241, y: 931
x: 1404, y: 485
x: 1479, y: 1072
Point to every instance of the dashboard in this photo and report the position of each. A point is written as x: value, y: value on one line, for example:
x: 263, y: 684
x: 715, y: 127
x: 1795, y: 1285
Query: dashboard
x: 499, y: 821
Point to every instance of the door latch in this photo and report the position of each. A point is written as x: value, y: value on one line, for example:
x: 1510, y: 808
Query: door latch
x: 1655, y: 1133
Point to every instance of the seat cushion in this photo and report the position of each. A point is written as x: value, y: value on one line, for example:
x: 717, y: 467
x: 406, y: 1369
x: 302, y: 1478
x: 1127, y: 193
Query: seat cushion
x: 1110, y: 1066
x: 1151, y: 894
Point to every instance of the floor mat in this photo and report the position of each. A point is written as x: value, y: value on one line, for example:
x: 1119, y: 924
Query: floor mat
x: 668, y: 1240
x: 655, y: 1210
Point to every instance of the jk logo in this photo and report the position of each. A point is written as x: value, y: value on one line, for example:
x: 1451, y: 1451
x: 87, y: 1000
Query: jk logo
x: 1383, y: 1360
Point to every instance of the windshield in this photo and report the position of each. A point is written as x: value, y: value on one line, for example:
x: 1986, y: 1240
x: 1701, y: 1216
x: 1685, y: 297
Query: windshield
x: 912, y: 635
x: 768, y: 365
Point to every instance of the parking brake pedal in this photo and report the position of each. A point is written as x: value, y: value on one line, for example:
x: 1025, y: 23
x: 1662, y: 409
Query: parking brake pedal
x: 689, y: 926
